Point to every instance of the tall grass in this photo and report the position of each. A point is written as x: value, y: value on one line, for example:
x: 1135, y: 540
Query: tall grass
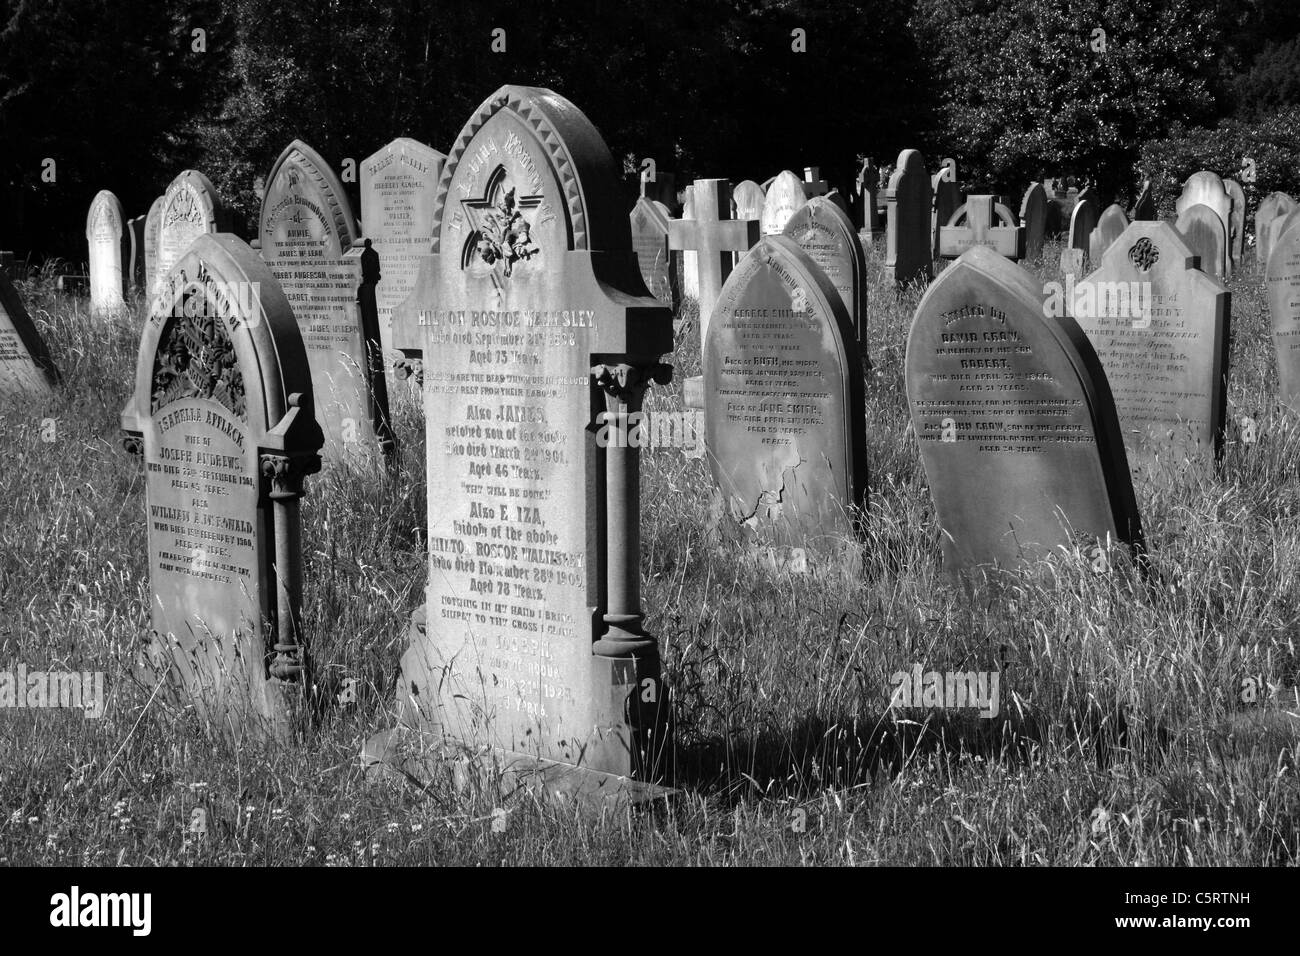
x: 1120, y: 738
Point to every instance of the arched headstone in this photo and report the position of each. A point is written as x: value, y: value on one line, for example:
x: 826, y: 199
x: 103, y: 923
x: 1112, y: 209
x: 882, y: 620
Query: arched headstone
x: 1110, y: 226
x: 749, y: 198
x: 540, y: 340
x: 650, y: 220
x: 945, y: 202
x: 1206, y: 189
x: 785, y: 423
x: 1017, y: 427
x: 1033, y: 216
x: 1083, y: 220
x: 909, y: 255
x: 309, y: 239
x: 1144, y: 209
x: 826, y: 235
x: 191, y: 208
x: 784, y: 198
x: 104, y: 232
x: 1203, y: 231
x: 397, y: 187
x: 1273, y: 207
x: 1282, y: 279
x: 222, y: 413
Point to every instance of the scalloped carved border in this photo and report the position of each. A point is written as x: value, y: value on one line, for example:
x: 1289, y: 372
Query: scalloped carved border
x: 324, y: 186
x: 533, y: 116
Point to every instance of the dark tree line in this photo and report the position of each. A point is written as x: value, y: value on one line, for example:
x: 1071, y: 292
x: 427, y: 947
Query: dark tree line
x: 124, y: 94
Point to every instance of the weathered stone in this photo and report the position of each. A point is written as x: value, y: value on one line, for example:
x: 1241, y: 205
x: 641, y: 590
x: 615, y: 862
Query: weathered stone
x: 1282, y: 279
x: 104, y: 230
x: 784, y: 420
x: 1033, y: 217
x: 1017, y: 427
x: 1207, y: 189
x: 783, y: 199
x: 973, y: 224
x: 25, y: 364
x: 222, y: 413
x: 908, y: 240
x: 1273, y: 208
x: 825, y: 234
x: 650, y: 241
x: 1160, y: 327
x: 1202, y: 230
x: 191, y: 208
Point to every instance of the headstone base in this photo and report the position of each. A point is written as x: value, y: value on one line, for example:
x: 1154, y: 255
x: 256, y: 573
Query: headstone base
x: 693, y: 392
x: 416, y: 749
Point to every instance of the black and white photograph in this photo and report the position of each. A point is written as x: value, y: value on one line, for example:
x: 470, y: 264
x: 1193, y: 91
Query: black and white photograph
x: 649, y: 434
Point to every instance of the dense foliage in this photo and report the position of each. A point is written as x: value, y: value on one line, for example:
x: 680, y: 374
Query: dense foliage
x: 125, y: 94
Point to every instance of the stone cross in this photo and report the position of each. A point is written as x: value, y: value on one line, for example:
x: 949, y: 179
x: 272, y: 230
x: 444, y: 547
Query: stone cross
x: 713, y: 235
x: 978, y: 215
x: 813, y: 184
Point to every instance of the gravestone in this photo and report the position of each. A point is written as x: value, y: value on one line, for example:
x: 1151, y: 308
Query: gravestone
x: 1282, y: 280
x: 222, y: 414
x: 1273, y: 207
x: 813, y: 184
x: 783, y: 199
x: 397, y: 187
x: 1033, y: 217
x: 1015, y: 420
x: 650, y: 220
x: 530, y: 641
x: 104, y: 231
x: 135, y: 271
x: 908, y: 240
x: 1236, y: 221
x: 785, y: 424
x: 945, y: 202
x: 866, y: 201
x: 836, y: 197
x: 825, y: 234
x: 152, y: 224
x: 690, y: 266
x: 25, y: 364
x: 981, y: 221
x: 749, y: 197
x: 1202, y: 230
x: 1207, y: 189
x: 1144, y: 210
x: 1083, y: 220
x: 1110, y: 226
x: 1159, y: 326
x: 1072, y: 262
x: 714, y: 236
x: 308, y: 234
x: 191, y: 208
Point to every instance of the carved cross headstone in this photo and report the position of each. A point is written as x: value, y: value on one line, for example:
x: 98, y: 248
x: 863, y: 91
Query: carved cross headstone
x: 310, y: 241
x: 972, y: 224
x: 1159, y: 326
x: 713, y: 235
x: 539, y: 342
x: 222, y: 414
x: 908, y: 239
x: 813, y: 184
x: 1015, y: 420
x: 104, y: 232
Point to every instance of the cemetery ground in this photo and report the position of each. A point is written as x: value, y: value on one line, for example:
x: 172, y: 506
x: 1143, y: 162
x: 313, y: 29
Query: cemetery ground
x: 1121, y: 738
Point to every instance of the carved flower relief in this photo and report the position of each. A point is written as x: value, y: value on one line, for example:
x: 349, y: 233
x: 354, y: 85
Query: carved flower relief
x: 196, y: 359
x: 504, y: 235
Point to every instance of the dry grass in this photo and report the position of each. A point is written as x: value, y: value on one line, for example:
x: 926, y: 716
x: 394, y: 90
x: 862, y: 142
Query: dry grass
x: 1120, y: 739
